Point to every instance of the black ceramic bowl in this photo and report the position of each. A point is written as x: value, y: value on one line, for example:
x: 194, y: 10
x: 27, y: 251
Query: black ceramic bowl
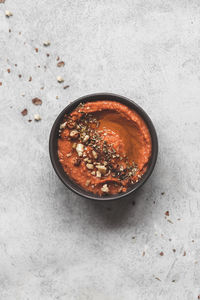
x: 54, y: 137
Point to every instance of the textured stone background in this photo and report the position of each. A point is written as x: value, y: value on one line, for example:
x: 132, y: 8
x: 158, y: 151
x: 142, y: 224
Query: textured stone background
x: 54, y: 244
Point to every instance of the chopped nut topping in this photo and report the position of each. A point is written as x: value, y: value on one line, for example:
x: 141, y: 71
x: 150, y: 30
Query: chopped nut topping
x: 94, y: 153
x: 84, y: 154
x: 120, y: 189
x: 74, y: 134
x: 86, y: 138
x: 69, y: 154
x: 101, y: 169
x: 90, y: 166
x: 70, y: 124
x: 98, y: 174
x: 79, y: 149
x: 63, y: 125
x: 105, y: 188
x: 87, y: 182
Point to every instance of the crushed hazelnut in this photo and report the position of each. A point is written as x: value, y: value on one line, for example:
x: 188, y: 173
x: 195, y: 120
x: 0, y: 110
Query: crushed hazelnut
x: 80, y: 149
x: 46, y: 44
x: 101, y: 169
x: 98, y: 174
x: 71, y: 124
x: 105, y: 188
x: 86, y: 138
x: 90, y: 166
x: 94, y: 153
x: 37, y: 117
x: 8, y: 13
x: 60, y: 79
x: 87, y: 182
x: 74, y: 134
x: 63, y: 125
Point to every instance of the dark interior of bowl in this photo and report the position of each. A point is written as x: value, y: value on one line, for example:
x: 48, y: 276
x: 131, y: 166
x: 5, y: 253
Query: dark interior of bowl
x: 55, y: 134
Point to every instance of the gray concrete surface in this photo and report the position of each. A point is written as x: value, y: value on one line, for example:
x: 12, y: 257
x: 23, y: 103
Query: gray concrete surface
x: 54, y: 244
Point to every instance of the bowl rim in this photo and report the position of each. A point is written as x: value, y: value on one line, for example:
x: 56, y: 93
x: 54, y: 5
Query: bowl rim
x: 128, y: 102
